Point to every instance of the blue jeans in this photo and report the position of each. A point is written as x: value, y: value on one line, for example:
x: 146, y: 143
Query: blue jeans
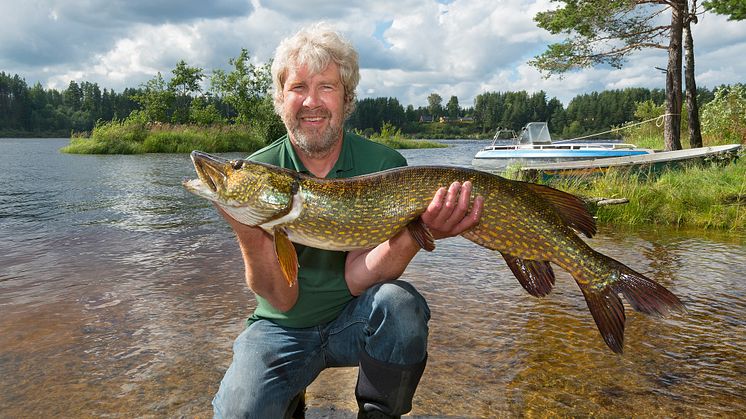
x: 271, y: 363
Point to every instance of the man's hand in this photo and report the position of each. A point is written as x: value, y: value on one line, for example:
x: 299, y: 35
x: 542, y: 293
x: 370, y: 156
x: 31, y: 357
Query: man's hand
x: 448, y: 214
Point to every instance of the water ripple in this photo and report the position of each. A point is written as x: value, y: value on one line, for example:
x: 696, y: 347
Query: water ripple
x: 121, y: 295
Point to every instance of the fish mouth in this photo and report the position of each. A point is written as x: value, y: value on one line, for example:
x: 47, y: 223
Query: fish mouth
x: 211, y: 170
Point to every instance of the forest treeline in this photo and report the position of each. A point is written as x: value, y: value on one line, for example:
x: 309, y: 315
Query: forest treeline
x: 35, y: 111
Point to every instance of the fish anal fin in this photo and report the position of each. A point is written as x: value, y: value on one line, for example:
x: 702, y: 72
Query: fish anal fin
x: 608, y: 313
x: 536, y: 276
x: 571, y: 209
x: 285, y: 251
x: 421, y: 234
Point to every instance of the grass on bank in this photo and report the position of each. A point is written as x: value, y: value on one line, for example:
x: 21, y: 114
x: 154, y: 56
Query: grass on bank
x: 701, y: 196
x: 707, y: 196
x: 393, y: 137
x: 134, y: 137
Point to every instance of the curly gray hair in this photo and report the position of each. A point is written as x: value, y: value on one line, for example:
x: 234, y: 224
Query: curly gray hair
x: 316, y: 46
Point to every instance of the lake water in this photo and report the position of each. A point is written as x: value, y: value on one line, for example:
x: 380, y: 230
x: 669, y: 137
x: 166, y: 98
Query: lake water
x: 121, y: 294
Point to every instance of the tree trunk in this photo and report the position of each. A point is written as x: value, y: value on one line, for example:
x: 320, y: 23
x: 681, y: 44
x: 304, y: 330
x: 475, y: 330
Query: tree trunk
x: 672, y: 127
x: 695, y: 128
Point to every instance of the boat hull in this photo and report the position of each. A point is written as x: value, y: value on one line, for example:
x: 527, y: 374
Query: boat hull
x: 644, y: 164
x: 539, y: 154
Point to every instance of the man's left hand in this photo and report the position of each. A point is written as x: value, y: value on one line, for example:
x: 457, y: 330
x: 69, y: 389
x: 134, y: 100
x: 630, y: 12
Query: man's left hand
x: 448, y: 214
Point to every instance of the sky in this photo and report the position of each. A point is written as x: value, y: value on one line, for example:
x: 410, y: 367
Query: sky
x: 408, y: 48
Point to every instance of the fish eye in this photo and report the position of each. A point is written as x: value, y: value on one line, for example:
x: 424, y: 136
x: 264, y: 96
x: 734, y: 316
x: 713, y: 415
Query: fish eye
x: 237, y: 164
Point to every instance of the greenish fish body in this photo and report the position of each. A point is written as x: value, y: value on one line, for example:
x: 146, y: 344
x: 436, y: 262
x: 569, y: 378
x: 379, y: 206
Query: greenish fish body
x: 530, y: 225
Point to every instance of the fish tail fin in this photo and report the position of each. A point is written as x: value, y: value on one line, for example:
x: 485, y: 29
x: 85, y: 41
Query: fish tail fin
x: 643, y: 294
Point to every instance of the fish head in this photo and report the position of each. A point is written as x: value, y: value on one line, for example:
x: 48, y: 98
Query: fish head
x: 250, y: 192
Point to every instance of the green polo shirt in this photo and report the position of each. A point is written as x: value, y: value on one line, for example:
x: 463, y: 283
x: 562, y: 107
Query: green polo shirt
x: 323, y: 292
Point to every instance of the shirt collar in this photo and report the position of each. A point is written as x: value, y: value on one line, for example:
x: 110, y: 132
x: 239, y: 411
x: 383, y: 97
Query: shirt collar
x: 343, y: 164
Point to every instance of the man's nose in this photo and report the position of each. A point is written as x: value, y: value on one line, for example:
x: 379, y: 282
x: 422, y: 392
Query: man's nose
x: 312, y: 99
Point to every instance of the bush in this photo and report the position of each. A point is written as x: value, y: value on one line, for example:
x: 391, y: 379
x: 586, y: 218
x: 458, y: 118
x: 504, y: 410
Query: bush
x: 725, y: 116
x: 133, y: 136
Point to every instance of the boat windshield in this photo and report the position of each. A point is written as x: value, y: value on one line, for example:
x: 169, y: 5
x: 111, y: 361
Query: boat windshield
x: 535, y: 133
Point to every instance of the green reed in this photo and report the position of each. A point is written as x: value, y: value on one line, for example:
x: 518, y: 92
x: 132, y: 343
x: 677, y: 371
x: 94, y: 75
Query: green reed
x: 709, y: 197
x: 134, y: 137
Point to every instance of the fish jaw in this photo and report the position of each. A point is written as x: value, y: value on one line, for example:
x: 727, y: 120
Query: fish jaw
x: 199, y: 188
x: 251, y: 193
x: 213, y: 171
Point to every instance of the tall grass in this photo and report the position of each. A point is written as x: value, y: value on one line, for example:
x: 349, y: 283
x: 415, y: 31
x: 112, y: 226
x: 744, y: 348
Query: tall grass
x: 132, y: 137
x: 393, y: 137
x: 709, y: 197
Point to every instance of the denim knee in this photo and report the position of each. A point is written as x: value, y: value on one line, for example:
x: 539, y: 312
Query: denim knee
x: 398, y: 324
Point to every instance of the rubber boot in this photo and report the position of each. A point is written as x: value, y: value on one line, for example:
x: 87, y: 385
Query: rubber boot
x: 385, y: 390
x: 297, y: 408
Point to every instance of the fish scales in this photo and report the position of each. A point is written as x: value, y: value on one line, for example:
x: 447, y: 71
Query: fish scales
x: 532, y: 226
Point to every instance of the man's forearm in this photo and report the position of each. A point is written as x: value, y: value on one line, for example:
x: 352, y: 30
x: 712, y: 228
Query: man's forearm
x: 385, y: 262
x: 262, y: 269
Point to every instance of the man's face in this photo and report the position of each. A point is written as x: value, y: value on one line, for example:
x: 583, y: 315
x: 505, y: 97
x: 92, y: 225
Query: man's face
x: 313, y: 109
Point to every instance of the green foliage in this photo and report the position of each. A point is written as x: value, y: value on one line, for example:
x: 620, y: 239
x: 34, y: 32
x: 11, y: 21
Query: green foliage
x: 203, y: 113
x: 512, y: 110
x: 244, y: 88
x: 112, y: 137
x: 597, y: 32
x: 725, y: 116
x: 156, y: 99
x: 435, y: 105
x: 734, y: 9
x: 183, y: 85
x: 134, y: 135
x: 393, y: 137
x: 452, y: 108
x: 709, y: 197
x: 371, y: 113
x: 646, y: 130
x: 600, y: 111
x: 33, y: 111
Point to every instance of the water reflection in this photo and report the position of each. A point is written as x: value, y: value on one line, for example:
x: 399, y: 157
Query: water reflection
x: 121, y: 295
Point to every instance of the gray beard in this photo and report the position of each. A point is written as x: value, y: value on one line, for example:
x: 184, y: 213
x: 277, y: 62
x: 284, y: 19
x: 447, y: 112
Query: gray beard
x: 317, y: 147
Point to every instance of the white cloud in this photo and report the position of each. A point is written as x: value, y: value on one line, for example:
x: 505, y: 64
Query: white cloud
x: 408, y: 48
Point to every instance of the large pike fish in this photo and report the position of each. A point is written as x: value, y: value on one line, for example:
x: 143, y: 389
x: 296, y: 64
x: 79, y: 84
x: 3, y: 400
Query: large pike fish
x: 530, y: 225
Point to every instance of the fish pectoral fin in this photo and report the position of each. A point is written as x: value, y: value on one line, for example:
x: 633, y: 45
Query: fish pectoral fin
x: 571, y: 209
x: 285, y: 251
x: 421, y: 234
x: 536, y: 276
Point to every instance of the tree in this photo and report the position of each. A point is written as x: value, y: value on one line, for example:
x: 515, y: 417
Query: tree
x: 734, y: 9
x: 244, y: 87
x: 185, y: 82
x: 725, y: 115
x: 452, y: 108
x: 73, y: 96
x: 155, y: 100
x: 694, y: 126
x: 607, y: 31
x: 435, y: 105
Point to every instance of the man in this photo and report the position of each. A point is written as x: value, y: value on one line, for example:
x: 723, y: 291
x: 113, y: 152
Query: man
x: 348, y: 308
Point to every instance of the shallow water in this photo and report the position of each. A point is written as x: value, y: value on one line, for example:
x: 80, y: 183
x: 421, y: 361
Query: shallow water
x: 121, y: 294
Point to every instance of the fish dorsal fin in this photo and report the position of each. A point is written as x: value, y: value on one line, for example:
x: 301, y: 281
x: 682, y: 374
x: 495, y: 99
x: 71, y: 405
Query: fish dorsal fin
x: 570, y: 208
x: 536, y: 276
x: 421, y: 234
x: 286, y: 255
